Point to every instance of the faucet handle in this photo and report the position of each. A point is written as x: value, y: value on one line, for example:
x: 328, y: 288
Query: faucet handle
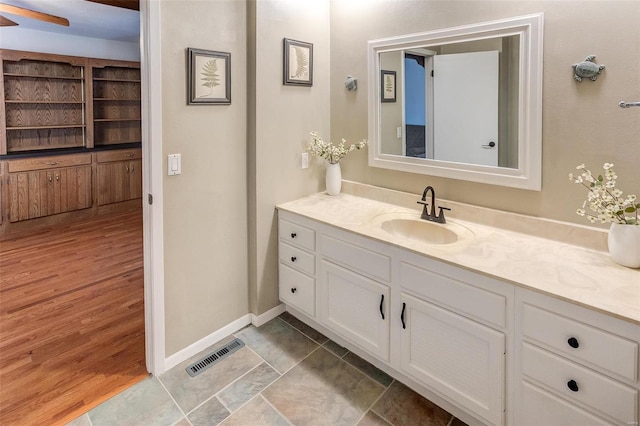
x: 440, y: 217
x: 424, y: 203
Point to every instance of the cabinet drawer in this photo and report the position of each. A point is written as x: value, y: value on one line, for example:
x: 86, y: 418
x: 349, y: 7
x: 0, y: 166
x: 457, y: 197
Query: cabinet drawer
x: 119, y: 155
x: 297, y: 289
x: 593, y: 389
x: 297, y: 258
x: 355, y: 257
x: 605, y: 350
x: 542, y: 408
x: 297, y: 234
x: 41, y: 163
x: 456, y: 294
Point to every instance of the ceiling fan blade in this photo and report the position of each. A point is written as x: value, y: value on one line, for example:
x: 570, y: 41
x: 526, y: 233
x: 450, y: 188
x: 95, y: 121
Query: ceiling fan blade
x: 6, y: 22
x: 126, y: 4
x: 27, y: 13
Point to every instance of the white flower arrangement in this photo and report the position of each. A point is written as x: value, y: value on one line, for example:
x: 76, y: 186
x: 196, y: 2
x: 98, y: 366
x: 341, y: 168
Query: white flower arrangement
x: 332, y: 153
x: 605, y: 201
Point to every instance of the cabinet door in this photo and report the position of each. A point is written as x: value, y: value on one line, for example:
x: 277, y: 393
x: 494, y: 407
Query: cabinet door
x: 135, y: 180
x: 113, y: 182
x: 355, y: 307
x: 28, y: 195
x: 458, y: 357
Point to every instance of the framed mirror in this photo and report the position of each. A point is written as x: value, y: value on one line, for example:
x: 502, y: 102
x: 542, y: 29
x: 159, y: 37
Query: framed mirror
x: 462, y: 102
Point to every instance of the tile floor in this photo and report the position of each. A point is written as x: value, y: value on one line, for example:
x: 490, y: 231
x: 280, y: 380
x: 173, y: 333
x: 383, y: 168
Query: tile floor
x: 286, y: 374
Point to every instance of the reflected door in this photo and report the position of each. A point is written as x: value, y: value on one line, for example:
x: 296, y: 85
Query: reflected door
x: 464, y: 130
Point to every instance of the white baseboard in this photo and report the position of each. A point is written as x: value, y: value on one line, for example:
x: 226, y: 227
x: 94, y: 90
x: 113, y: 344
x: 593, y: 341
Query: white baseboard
x: 258, y: 320
x: 216, y: 336
x: 205, y: 342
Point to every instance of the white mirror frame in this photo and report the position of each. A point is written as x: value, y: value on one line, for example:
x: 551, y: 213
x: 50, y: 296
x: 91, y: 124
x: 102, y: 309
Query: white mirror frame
x: 528, y: 175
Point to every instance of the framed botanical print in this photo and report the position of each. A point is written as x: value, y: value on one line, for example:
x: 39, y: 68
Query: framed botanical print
x: 298, y: 63
x: 209, y: 77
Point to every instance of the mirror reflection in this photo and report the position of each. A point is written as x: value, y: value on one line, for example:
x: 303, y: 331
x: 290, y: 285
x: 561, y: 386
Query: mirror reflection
x: 455, y: 102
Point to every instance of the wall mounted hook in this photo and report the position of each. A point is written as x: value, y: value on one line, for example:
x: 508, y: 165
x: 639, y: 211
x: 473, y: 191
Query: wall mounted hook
x: 351, y: 83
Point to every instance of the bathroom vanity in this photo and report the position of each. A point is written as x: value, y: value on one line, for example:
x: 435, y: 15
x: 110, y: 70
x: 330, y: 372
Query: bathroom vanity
x: 496, y: 326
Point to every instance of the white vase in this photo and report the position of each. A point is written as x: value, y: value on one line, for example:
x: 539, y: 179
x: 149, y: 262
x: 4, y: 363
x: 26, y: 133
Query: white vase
x: 333, y: 179
x: 624, y: 244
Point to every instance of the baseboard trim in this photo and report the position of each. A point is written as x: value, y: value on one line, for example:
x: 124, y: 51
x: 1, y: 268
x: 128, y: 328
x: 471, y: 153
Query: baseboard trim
x: 205, y: 342
x: 259, y: 320
x: 218, y: 335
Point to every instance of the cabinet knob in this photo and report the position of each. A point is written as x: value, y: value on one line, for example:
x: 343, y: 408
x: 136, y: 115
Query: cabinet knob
x: 573, y: 342
x: 293, y: 235
x: 572, y: 385
x: 293, y: 289
x: 293, y: 258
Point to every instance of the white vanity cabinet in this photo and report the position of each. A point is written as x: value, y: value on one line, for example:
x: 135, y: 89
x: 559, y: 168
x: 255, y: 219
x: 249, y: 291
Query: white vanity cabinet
x: 574, y: 366
x: 297, y: 264
x: 454, y: 333
x: 353, y: 290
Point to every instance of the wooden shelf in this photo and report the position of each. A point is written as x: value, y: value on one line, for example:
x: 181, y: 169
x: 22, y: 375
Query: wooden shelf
x: 101, y: 143
x: 68, y: 126
x: 117, y: 99
x: 103, y: 120
x: 44, y: 102
x: 48, y: 77
x: 120, y: 80
x: 38, y: 148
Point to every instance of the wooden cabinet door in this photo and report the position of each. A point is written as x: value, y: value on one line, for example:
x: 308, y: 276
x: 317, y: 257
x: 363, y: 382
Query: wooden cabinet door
x: 458, y: 357
x: 113, y: 182
x: 355, y: 307
x: 46, y: 192
x: 135, y: 180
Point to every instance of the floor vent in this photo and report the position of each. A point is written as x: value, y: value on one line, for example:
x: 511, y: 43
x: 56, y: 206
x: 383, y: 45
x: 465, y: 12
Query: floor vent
x: 206, y: 362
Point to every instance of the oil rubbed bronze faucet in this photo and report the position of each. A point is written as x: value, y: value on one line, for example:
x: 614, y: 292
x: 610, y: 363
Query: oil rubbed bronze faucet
x: 432, y: 215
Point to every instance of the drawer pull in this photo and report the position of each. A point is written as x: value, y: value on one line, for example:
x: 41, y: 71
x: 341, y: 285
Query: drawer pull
x: 293, y: 258
x: 50, y: 178
x: 293, y: 235
x: 573, y: 342
x: 52, y: 163
x: 381, y: 302
x: 404, y: 306
x: 572, y: 385
x: 293, y: 289
x: 128, y: 156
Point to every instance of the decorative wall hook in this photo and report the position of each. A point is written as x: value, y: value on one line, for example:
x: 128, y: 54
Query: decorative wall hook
x: 587, y: 69
x: 351, y: 83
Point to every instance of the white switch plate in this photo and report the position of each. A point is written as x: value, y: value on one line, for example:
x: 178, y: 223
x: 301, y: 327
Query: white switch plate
x: 398, y: 132
x: 174, y: 164
x: 304, y: 159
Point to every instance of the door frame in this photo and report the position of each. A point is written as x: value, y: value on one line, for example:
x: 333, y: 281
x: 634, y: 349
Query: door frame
x: 153, y: 237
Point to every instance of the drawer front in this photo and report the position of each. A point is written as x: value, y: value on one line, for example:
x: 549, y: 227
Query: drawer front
x: 119, y: 155
x: 297, y: 289
x: 297, y: 234
x: 297, y: 258
x: 355, y: 257
x: 41, y: 163
x: 605, y: 350
x: 590, y: 388
x: 542, y: 408
x: 463, y: 297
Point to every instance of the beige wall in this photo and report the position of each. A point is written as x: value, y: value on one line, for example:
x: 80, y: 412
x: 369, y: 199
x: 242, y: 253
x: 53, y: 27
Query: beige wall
x: 581, y: 121
x: 284, y: 116
x: 205, y: 208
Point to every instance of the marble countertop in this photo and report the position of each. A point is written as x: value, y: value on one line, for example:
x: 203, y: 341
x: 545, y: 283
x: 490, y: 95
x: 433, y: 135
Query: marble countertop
x: 581, y: 275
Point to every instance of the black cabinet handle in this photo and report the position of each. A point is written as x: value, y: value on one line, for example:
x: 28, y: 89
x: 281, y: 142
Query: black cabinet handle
x: 571, y: 384
x: 381, y: 302
x: 404, y: 306
x: 293, y: 258
x: 293, y: 289
x: 293, y: 235
x: 573, y: 342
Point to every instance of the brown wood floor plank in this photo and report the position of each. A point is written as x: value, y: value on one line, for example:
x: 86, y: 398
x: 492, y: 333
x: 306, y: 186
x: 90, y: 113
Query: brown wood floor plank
x: 71, y: 318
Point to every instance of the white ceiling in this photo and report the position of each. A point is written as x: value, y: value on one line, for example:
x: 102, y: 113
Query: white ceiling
x: 86, y: 19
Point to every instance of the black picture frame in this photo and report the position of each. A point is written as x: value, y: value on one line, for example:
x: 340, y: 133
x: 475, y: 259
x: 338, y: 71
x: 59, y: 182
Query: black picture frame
x: 204, y: 66
x: 297, y: 63
x: 387, y: 86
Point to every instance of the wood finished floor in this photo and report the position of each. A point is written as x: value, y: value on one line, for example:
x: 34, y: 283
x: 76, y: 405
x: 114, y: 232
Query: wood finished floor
x: 71, y: 318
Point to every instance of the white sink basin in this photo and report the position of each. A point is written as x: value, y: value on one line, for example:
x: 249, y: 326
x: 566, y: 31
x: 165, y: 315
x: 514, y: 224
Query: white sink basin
x: 411, y: 227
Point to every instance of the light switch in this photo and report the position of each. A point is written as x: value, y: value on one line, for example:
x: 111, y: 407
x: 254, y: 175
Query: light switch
x: 304, y: 159
x: 174, y: 164
x: 398, y: 132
